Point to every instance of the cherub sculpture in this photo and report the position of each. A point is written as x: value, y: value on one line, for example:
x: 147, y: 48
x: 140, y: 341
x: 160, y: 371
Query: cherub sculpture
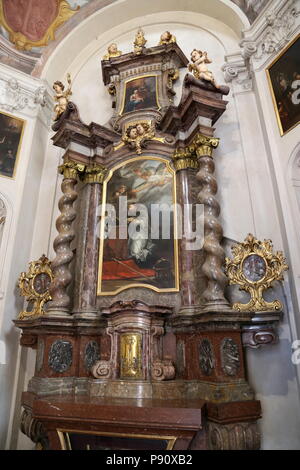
x: 112, y: 51
x: 136, y: 135
x: 139, y: 42
x: 62, y: 97
x: 199, y: 68
x: 166, y: 38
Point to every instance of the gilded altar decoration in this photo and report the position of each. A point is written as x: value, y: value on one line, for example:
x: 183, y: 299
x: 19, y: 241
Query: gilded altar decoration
x: 131, y: 356
x: 34, y: 287
x: 185, y: 157
x: 112, y: 51
x: 199, y: 68
x: 173, y: 75
x: 62, y: 97
x: 72, y: 170
x: 166, y: 38
x: 255, y: 268
x: 94, y: 174
x: 33, y: 23
x: 139, y: 42
x: 137, y: 134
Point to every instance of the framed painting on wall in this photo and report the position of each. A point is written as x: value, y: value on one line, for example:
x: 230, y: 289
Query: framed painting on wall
x: 135, y: 249
x: 284, y: 79
x: 140, y: 93
x: 11, y: 133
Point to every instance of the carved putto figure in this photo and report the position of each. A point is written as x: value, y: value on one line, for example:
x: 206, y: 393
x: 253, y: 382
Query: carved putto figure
x: 199, y: 68
x: 62, y: 97
x: 136, y: 135
x: 112, y: 51
x: 166, y: 38
x: 139, y: 41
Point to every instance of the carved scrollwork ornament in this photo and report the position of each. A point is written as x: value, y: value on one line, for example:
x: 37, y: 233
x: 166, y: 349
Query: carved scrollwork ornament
x: 162, y: 369
x: 102, y: 370
x: 255, y: 267
x: 34, y: 286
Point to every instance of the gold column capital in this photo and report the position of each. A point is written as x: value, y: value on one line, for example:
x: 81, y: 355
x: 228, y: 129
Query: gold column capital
x: 71, y: 170
x: 204, y: 145
x: 95, y: 174
x: 184, y: 158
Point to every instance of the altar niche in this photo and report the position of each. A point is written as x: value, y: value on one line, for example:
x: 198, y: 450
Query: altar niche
x: 136, y: 250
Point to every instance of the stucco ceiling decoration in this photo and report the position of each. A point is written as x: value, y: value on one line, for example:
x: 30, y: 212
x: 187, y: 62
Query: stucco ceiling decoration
x: 32, y: 23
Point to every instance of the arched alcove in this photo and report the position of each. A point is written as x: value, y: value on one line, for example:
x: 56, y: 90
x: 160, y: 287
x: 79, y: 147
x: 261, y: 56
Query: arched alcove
x: 98, y: 22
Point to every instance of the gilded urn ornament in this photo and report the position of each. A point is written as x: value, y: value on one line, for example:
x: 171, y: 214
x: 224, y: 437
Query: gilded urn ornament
x: 35, y: 285
x: 255, y: 267
x: 139, y: 42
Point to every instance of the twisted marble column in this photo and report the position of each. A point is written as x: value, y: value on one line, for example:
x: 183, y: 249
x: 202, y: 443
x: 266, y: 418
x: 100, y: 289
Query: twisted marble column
x: 60, y: 303
x: 214, y: 254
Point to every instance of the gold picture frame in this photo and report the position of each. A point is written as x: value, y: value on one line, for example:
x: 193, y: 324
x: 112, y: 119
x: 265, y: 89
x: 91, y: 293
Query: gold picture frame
x: 100, y: 291
x: 281, y: 75
x: 12, y: 131
x: 140, y: 77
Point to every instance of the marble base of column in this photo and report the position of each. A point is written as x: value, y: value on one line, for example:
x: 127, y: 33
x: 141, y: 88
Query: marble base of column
x: 190, y: 309
x: 58, y: 313
x: 88, y: 314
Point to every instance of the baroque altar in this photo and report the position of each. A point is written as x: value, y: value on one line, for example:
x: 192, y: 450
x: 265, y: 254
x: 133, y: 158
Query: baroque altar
x: 137, y: 345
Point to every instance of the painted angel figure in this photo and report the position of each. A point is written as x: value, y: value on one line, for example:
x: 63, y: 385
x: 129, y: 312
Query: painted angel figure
x: 62, y: 97
x: 199, y: 68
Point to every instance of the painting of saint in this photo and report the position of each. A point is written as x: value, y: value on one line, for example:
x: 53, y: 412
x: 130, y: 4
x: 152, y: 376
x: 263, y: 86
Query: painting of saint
x: 131, y: 254
x: 284, y: 79
x: 140, y: 93
x: 11, y: 130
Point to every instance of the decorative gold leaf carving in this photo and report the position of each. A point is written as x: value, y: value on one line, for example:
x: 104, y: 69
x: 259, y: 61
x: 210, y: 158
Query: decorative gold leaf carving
x: 34, y: 286
x: 255, y: 267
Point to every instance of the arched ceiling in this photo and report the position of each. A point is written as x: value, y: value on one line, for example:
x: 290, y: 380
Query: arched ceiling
x: 31, y: 30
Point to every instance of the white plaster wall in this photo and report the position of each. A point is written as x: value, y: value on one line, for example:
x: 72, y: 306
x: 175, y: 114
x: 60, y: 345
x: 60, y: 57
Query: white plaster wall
x: 20, y: 195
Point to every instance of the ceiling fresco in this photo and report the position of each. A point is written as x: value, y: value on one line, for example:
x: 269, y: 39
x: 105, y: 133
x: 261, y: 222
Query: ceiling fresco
x: 28, y: 26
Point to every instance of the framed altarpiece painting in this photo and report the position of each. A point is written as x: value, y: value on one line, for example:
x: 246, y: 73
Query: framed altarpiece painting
x: 138, y: 243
